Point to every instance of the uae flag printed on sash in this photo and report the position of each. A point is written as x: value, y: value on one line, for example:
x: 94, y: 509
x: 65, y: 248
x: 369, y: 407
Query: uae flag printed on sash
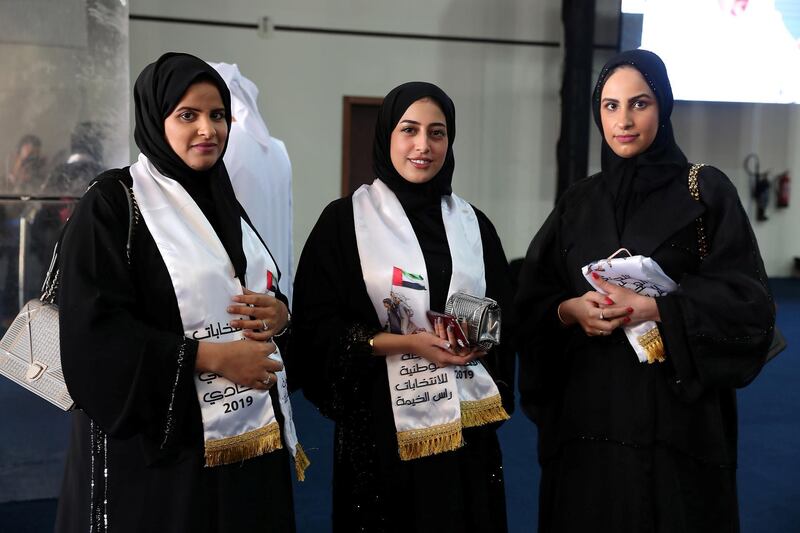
x: 401, y: 278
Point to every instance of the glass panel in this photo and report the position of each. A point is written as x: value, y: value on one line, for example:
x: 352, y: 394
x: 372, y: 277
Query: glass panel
x: 64, y: 97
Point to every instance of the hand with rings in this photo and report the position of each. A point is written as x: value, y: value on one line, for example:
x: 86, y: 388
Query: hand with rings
x: 595, y: 313
x: 640, y: 308
x: 268, y: 315
x: 246, y: 363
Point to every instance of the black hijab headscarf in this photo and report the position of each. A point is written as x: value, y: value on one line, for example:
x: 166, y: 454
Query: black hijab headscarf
x: 158, y: 90
x: 421, y: 201
x: 412, y: 196
x: 630, y: 180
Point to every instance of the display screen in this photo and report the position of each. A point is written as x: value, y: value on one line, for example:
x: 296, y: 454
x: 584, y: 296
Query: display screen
x: 720, y: 50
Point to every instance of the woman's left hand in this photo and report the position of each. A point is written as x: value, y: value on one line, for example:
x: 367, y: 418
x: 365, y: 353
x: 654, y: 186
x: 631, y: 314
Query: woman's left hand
x: 467, y: 352
x: 270, y: 315
x: 640, y: 308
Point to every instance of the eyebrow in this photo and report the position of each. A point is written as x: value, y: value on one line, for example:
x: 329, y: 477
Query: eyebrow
x: 189, y: 108
x: 632, y: 98
x: 408, y: 121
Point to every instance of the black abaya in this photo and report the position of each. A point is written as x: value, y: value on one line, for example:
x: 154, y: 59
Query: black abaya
x: 121, y: 349
x: 626, y: 446
x: 611, y: 428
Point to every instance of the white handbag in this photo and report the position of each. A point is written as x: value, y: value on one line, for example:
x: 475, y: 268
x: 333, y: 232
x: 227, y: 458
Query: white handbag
x: 30, y: 351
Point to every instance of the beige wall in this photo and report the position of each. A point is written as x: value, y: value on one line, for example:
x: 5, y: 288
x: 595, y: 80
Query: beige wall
x: 506, y: 97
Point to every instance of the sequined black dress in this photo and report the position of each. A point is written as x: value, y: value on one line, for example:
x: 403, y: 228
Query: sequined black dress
x: 333, y: 318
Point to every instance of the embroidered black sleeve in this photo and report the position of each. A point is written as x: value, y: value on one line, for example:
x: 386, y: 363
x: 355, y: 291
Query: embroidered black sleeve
x: 184, y: 364
x: 356, y: 340
x: 353, y: 358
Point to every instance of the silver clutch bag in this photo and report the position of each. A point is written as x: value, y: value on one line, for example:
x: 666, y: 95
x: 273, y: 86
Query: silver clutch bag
x: 30, y: 353
x: 482, y: 315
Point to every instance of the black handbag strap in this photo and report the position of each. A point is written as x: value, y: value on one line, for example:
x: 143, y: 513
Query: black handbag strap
x: 51, y: 279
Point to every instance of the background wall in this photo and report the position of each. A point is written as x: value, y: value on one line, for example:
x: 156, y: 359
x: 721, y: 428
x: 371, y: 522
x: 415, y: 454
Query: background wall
x: 506, y: 96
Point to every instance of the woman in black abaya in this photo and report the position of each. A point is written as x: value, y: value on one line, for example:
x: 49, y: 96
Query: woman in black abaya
x: 375, y: 262
x: 138, y: 461
x: 627, y: 446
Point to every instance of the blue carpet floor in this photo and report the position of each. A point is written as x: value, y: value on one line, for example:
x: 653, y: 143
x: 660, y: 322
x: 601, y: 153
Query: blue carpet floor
x: 769, y: 452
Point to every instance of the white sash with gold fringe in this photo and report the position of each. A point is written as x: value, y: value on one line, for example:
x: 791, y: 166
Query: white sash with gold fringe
x: 238, y: 422
x: 430, y: 404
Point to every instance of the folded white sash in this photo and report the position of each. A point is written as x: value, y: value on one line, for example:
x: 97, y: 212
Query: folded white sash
x: 642, y: 275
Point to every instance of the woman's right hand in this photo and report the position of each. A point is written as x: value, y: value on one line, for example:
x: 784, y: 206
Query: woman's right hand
x: 594, y: 312
x: 245, y: 362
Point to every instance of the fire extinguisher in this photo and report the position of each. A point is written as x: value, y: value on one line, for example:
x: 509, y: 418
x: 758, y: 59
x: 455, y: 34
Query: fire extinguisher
x: 784, y: 187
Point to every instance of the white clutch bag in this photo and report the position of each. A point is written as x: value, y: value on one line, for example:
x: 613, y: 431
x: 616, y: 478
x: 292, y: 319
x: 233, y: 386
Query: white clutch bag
x: 30, y: 353
x: 642, y: 275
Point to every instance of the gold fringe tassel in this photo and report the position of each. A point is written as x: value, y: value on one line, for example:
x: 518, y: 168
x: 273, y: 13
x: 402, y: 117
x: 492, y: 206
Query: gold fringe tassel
x: 301, y: 462
x: 482, y: 412
x: 417, y: 443
x: 653, y: 346
x: 245, y: 446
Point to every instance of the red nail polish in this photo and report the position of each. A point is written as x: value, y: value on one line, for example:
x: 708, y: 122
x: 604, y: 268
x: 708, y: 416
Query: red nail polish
x: 595, y: 275
x: 627, y: 319
x: 609, y: 301
x: 630, y: 310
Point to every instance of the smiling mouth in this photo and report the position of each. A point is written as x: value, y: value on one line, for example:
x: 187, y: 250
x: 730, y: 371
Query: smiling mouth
x: 420, y: 162
x: 205, y: 147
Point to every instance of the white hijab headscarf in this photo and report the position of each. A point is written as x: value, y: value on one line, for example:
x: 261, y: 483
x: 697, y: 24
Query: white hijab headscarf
x: 260, y: 171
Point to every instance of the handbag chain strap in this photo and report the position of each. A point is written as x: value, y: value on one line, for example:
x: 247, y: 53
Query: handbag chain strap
x: 694, y: 190
x: 51, y: 280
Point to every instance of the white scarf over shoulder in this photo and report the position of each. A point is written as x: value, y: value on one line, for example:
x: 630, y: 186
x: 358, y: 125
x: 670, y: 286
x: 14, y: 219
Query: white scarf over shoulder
x: 238, y: 422
x: 430, y: 404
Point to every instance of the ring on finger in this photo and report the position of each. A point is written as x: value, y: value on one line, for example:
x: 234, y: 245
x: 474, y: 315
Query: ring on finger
x: 601, y: 315
x: 267, y: 381
x: 264, y: 324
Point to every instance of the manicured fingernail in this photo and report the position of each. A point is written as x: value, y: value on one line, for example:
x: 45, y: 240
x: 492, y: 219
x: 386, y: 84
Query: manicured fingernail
x: 595, y: 276
x: 449, y: 327
x: 230, y: 309
x: 630, y: 310
x: 609, y: 301
x: 626, y: 319
x: 447, y: 346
